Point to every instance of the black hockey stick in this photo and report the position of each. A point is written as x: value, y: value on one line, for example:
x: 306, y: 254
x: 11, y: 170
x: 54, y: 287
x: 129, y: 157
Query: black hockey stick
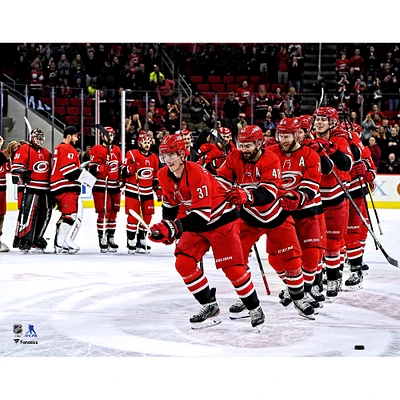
x: 264, y: 277
x: 107, y: 135
x: 391, y: 260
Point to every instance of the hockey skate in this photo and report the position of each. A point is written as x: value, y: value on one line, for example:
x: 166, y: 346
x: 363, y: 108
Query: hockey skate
x: 112, y: 246
x: 25, y: 245
x: 333, y: 287
x: 238, y: 310
x: 130, y: 244
x: 354, y: 282
x: 257, y: 318
x: 39, y: 245
x: 315, y: 304
x: 316, y: 294
x: 284, y: 297
x: 103, y: 243
x: 207, y: 316
x: 141, y: 245
x: 365, y: 269
x: 304, y: 308
x: 3, y: 247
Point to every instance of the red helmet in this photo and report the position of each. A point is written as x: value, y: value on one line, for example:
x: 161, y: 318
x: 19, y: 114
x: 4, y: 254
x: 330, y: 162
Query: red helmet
x: 329, y: 112
x: 171, y: 144
x: 288, y: 125
x: 305, y: 121
x: 110, y: 130
x: 250, y: 133
x: 225, y: 133
x: 145, y: 137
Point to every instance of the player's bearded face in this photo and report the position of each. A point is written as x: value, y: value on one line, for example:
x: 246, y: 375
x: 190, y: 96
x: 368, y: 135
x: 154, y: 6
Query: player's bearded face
x: 145, y: 146
x: 301, y: 136
x: 321, y: 124
x: 286, y: 141
x: 249, y: 150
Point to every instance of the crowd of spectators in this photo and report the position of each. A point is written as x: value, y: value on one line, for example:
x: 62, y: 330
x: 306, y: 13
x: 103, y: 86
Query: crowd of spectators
x: 368, y: 82
x: 367, y: 76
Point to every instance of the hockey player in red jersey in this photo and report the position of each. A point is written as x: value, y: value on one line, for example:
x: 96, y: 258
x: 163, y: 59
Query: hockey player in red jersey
x: 105, y: 162
x: 305, y: 126
x: 140, y: 175
x: 301, y: 176
x: 31, y: 172
x: 5, y: 167
x: 253, y: 178
x: 361, y: 174
x: 330, y: 141
x: 65, y: 187
x: 210, y: 221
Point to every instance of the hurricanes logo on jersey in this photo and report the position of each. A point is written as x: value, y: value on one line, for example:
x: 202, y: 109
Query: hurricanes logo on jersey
x: 291, y: 179
x: 145, y: 173
x: 41, y: 167
x: 114, y: 166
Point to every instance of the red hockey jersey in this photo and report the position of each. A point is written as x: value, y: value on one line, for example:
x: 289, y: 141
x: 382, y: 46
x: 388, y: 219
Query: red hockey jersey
x: 301, y: 170
x: 65, y: 166
x: 98, y: 156
x: 28, y: 158
x: 142, y: 183
x: 202, y: 195
x: 331, y: 191
x: 6, y: 167
x: 266, y: 174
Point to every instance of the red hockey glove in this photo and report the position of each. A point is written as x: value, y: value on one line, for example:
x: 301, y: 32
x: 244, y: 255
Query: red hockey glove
x: 238, y: 196
x: 104, y: 169
x: 131, y: 169
x: 158, y: 191
x: 369, y: 177
x: 293, y: 200
x: 359, y: 169
x: 166, y: 231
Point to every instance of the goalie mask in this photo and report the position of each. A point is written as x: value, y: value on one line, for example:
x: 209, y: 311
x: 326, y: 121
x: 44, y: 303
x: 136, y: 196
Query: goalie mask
x: 37, y: 138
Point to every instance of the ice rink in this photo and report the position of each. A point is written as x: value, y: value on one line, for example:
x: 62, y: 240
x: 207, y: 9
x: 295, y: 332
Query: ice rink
x: 92, y: 304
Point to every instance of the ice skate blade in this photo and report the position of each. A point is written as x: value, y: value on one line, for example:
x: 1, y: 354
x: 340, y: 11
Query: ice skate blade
x: 206, y: 324
x: 111, y: 250
x: 310, y: 317
x: 352, y: 288
x: 240, y: 315
x: 103, y: 250
x: 259, y: 328
x: 331, y: 299
x: 142, y: 251
x: 131, y: 252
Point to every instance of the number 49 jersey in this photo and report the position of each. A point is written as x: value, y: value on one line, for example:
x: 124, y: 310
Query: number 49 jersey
x: 301, y: 170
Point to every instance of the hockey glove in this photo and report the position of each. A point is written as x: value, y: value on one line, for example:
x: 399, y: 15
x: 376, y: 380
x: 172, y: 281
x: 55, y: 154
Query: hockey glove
x: 158, y: 191
x: 293, y: 200
x: 26, y: 176
x: 369, y: 177
x: 239, y: 196
x: 104, y: 169
x: 11, y: 148
x: 359, y: 169
x: 131, y: 169
x: 166, y: 231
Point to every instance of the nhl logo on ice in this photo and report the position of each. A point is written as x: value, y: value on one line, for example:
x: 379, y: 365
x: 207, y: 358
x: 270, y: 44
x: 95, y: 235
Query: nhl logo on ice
x: 18, y: 330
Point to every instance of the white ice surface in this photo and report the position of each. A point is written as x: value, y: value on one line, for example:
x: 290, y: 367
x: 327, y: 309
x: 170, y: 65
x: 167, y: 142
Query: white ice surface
x: 93, y: 304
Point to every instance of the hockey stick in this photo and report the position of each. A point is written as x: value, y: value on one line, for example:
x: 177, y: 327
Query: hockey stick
x: 391, y: 260
x: 141, y: 221
x: 322, y: 97
x: 107, y: 135
x: 373, y: 206
x: 264, y: 277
